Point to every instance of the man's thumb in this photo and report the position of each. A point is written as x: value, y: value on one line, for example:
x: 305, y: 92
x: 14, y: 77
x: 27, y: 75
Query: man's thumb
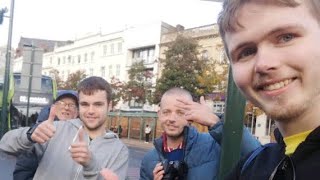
x: 52, y: 114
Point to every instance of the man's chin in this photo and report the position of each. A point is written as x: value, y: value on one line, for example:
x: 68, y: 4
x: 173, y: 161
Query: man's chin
x: 174, y: 135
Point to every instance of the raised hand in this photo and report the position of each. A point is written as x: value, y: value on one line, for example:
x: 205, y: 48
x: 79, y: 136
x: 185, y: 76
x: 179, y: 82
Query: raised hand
x: 198, y: 112
x: 107, y: 174
x: 46, y: 129
x: 80, y: 151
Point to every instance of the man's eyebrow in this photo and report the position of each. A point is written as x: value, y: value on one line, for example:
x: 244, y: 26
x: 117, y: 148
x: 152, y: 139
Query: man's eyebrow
x: 285, y: 27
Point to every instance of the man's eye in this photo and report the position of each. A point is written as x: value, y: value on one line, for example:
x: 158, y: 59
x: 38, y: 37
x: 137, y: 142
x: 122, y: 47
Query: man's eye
x: 246, y: 52
x: 285, y: 38
x: 165, y: 112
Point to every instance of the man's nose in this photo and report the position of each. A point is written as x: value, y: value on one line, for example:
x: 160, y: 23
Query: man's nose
x: 266, y: 60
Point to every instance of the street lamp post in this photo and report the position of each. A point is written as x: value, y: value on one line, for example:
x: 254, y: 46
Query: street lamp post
x: 4, y: 111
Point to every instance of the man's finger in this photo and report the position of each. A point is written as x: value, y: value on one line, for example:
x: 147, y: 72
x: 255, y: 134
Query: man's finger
x: 81, y: 134
x: 52, y: 114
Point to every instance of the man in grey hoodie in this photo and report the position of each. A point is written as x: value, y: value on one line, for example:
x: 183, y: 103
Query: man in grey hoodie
x: 78, y: 148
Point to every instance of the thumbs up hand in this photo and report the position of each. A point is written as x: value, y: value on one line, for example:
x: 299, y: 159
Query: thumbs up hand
x: 46, y: 129
x: 80, y: 151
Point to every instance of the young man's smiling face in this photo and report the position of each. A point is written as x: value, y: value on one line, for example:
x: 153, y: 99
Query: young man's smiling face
x: 275, y: 59
x: 93, y: 109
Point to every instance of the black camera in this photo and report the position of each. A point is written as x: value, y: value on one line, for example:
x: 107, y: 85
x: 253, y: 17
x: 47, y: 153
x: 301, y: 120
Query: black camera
x: 174, y: 170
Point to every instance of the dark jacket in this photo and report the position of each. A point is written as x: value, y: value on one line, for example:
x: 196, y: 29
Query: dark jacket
x: 305, y: 161
x: 202, y: 153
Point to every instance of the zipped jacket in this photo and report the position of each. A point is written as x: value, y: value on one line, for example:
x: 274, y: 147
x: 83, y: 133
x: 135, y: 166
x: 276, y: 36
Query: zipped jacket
x: 202, y: 153
x: 302, y: 164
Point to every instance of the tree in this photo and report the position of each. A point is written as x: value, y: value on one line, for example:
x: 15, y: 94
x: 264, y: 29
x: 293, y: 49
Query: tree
x: 139, y: 83
x: 74, y: 79
x: 117, y: 90
x: 2, y: 12
x: 213, y: 78
x: 55, y: 74
x: 182, y: 67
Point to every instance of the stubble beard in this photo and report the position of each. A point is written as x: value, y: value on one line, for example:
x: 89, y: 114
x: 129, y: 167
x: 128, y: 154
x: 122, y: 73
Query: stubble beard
x: 95, y: 127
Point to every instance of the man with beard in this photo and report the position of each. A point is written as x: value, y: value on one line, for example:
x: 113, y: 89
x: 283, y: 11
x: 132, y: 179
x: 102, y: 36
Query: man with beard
x: 273, y: 47
x: 78, y: 148
x: 182, y: 152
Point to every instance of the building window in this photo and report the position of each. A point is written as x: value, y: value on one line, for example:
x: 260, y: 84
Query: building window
x: 79, y: 59
x: 118, y: 70
x: 110, y: 71
x: 112, y: 48
x: 119, y: 47
x: 85, y: 57
x: 69, y: 59
x: 145, y: 54
x: 58, y: 61
x: 103, y: 71
x: 92, y: 56
x: 64, y: 60
x: 105, y: 50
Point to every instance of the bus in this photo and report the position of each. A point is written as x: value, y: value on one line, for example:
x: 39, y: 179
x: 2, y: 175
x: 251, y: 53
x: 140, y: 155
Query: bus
x: 19, y: 101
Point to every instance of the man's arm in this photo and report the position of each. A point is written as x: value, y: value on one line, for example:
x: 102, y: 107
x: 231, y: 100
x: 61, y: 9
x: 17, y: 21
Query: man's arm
x: 202, y: 114
x: 248, y: 143
x: 15, y: 142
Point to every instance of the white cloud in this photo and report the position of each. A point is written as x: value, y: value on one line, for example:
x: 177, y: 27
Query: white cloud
x: 65, y: 19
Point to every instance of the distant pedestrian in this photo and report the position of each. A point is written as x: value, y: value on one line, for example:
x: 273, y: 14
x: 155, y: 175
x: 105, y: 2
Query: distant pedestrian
x: 147, y: 131
x: 119, y: 131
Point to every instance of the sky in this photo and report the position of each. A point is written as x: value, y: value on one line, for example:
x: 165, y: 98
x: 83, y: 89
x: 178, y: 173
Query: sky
x: 71, y: 19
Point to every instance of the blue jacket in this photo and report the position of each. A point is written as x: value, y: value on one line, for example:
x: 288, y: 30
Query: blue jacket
x: 202, y: 153
x: 199, y: 166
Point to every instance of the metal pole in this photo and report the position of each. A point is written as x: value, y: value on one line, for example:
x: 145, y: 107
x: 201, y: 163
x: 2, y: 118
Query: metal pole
x: 30, y: 83
x: 232, y: 129
x: 4, y: 113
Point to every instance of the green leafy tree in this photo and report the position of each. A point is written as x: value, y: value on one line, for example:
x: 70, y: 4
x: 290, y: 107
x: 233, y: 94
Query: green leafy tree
x: 74, y: 79
x: 139, y: 83
x: 55, y: 74
x: 117, y: 90
x: 181, y: 67
x: 213, y: 78
x: 2, y: 12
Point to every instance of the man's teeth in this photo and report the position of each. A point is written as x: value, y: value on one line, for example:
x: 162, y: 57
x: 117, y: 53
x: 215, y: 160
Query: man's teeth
x: 277, y: 85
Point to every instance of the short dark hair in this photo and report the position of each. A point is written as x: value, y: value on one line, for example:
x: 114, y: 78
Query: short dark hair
x: 94, y: 83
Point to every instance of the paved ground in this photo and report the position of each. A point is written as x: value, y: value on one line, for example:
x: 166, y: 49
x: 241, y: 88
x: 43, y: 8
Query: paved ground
x: 137, y: 149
